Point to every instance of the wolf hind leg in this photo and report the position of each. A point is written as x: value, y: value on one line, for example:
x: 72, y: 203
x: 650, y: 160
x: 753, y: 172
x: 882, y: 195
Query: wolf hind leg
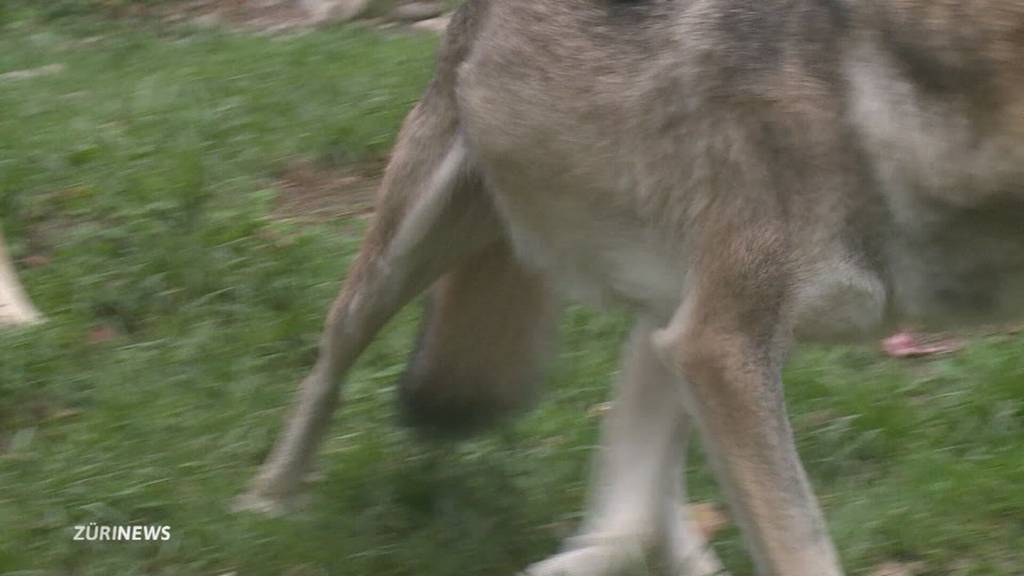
x: 432, y: 213
x: 485, y: 340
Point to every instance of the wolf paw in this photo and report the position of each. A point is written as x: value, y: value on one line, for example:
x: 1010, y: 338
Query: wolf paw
x: 629, y: 558
x: 255, y: 501
x: 599, y: 560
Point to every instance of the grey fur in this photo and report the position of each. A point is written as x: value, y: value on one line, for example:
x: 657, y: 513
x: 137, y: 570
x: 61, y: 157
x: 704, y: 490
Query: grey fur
x: 742, y: 174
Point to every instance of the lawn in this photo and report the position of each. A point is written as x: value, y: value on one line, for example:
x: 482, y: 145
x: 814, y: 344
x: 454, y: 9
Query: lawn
x: 141, y: 181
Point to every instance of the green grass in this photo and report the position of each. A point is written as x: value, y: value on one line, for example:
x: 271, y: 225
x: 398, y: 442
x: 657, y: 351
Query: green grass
x: 145, y: 173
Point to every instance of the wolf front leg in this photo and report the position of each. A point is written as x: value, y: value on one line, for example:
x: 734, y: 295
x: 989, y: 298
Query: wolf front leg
x: 15, y: 306
x: 727, y: 342
x: 637, y: 517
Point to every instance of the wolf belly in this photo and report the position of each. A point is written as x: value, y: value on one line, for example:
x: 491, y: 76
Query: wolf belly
x: 593, y: 252
x: 601, y: 256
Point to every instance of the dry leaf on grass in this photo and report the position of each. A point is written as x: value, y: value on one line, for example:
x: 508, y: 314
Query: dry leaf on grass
x: 101, y: 334
x: 710, y: 519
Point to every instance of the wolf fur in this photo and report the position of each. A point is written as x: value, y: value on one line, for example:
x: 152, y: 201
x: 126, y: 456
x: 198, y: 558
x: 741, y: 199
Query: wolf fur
x: 742, y: 175
x: 15, y: 306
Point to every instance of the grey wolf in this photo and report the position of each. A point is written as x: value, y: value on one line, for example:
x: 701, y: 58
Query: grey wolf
x: 743, y: 175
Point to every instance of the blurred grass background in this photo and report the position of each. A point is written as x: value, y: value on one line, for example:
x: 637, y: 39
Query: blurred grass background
x: 140, y: 183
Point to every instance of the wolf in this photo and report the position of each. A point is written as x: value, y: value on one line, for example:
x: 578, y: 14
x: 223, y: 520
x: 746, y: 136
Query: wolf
x: 742, y: 176
x: 16, y: 309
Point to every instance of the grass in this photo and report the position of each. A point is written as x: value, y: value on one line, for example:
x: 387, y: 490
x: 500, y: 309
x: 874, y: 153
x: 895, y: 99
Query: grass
x: 182, y: 315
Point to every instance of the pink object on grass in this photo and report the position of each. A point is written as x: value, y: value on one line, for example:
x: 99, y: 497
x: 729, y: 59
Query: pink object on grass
x: 909, y: 345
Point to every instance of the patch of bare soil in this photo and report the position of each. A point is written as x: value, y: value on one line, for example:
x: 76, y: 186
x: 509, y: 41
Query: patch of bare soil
x: 270, y: 16
x: 263, y: 15
x: 315, y: 194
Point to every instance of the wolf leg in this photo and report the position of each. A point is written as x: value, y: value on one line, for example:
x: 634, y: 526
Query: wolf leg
x: 15, y: 307
x: 727, y: 342
x: 432, y: 213
x: 637, y: 516
x: 485, y: 340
